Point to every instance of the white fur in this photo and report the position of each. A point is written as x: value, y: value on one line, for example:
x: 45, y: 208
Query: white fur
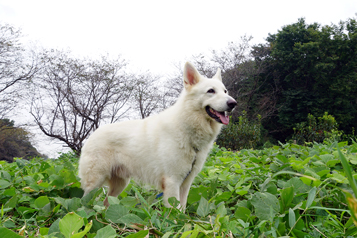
x: 160, y: 149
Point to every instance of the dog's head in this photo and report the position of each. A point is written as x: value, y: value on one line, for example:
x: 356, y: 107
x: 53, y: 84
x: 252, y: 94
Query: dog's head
x: 209, y: 93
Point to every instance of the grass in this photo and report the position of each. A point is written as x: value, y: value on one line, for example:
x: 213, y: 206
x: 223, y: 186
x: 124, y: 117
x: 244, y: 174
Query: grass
x: 282, y: 191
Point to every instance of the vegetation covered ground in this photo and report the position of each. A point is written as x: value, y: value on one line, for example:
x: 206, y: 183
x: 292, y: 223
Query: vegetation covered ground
x: 283, y: 191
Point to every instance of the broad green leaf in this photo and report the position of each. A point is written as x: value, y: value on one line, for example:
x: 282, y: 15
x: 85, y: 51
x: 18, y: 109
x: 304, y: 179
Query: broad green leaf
x: 44, y: 231
x: 292, y: 219
x: 130, y: 219
x: 113, y: 200
x: 115, y: 212
x: 12, y: 202
x: 299, y: 186
x: 140, y: 234
x: 242, y: 213
x: 85, y: 231
x: 4, y: 232
x: 263, y: 203
x: 70, y: 224
x: 40, y: 202
x: 167, y: 234
x: 54, y: 228
x: 4, y: 184
x: 339, y: 178
x: 185, y: 234
x: 196, y: 194
x: 221, y: 210
x: 311, y: 197
x: 203, y: 207
x: 5, y: 175
x: 128, y: 201
x: 106, y: 232
x: 73, y: 204
x: 287, y: 196
x: 57, y: 181
x: 89, y: 198
x: 10, y: 192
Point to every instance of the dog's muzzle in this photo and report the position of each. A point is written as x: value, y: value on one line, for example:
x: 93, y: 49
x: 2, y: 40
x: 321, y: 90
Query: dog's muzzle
x: 221, y: 117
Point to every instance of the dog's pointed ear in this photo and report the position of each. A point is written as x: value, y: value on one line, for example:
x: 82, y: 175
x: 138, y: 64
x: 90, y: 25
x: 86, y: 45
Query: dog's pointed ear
x: 218, y: 74
x: 190, y: 75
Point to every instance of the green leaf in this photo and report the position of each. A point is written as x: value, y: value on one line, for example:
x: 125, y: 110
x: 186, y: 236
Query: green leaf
x: 54, y: 228
x: 113, y: 200
x: 82, y: 233
x: 185, y: 234
x: 242, y: 213
x: 292, y: 218
x: 44, y: 231
x: 70, y: 224
x: 4, y: 232
x: 287, y: 195
x: 115, y: 212
x: 130, y: 219
x: 348, y: 171
x: 311, y: 197
x: 263, y: 203
x: 221, y: 210
x: 12, y: 202
x: 40, y: 202
x: 203, y: 207
x: 10, y: 192
x: 106, y: 232
x: 352, y: 205
x: 89, y: 198
x: 4, y: 184
x: 167, y: 234
x: 139, y: 234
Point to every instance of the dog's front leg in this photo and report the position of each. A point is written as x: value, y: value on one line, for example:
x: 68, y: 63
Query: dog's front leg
x: 184, y: 189
x: 171, y: 188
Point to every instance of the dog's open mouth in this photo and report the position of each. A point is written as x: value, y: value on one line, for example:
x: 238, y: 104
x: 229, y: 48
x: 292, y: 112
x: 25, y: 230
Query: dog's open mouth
x: 220, y: 117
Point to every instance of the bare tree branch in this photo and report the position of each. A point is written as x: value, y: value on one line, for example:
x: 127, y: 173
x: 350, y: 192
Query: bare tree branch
x: 75, y: 96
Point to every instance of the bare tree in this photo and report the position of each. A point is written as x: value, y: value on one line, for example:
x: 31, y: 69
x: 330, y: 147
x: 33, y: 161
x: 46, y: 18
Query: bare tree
x: 16, y: 66
x: 74, y: 96
x: 147, y: 96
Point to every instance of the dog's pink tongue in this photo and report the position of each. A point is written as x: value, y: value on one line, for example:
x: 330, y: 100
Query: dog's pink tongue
x: 224, y: 118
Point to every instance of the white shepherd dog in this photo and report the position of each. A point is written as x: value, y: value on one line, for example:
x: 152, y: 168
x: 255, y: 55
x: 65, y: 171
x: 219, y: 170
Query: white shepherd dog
x: 166, y: 150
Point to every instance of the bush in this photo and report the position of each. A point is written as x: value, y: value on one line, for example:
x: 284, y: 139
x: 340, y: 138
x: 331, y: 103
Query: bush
x: 240, y: 135
x: 326, y: 128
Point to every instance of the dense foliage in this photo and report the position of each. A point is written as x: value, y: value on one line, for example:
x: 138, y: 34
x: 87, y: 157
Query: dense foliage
x: 325, y: 128
x: 314, y: 68
x: 286, y: 190
x: 15, y: 142
x: 243, y: 134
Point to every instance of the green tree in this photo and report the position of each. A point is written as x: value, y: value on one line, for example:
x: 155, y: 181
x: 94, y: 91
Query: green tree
x: 15, y: 142
x: 315, y: 68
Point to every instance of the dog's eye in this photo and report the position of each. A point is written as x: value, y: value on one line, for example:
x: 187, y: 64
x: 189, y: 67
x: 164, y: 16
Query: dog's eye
x: 211, y: 91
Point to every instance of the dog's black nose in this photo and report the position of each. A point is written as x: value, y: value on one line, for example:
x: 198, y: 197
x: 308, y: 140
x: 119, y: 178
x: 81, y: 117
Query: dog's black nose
x: 231, y: 103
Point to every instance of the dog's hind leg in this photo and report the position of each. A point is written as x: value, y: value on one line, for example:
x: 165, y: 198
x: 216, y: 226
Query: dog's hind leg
x: 120, y: 178
x: 116, y: 186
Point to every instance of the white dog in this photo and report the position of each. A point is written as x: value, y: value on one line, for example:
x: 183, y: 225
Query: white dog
x: 166, y: 150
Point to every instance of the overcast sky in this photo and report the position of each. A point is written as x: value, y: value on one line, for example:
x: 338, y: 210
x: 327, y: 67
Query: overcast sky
x: 153, y: 34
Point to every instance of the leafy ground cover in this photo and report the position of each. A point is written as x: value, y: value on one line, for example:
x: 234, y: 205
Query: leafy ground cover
x: 283, y: 191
